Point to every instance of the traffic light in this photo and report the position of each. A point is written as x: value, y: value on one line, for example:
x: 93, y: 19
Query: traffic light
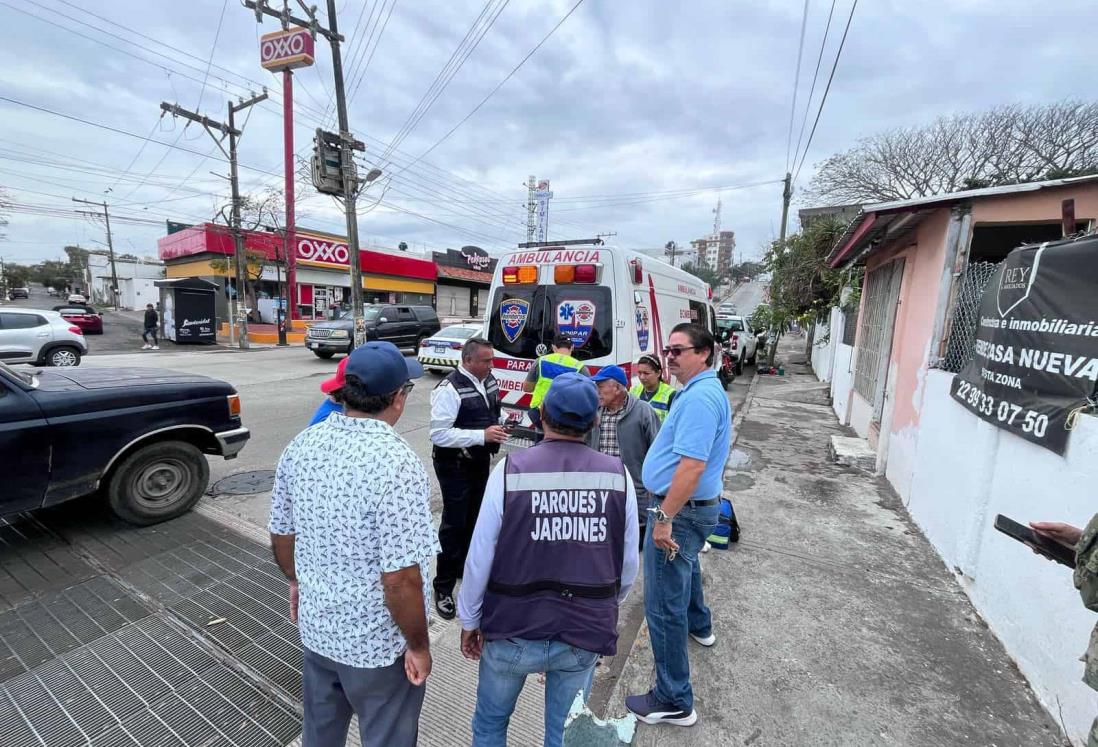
x: 327, y: 163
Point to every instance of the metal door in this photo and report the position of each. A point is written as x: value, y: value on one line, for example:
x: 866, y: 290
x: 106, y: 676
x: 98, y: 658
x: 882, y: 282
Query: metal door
x: 882, y: 294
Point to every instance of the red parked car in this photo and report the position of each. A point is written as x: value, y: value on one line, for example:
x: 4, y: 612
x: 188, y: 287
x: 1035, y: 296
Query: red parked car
x: 85, y: 317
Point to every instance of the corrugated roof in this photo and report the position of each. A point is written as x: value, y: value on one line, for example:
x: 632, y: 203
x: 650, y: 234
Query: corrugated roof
x: 877, y: 220
x: 460, y: 273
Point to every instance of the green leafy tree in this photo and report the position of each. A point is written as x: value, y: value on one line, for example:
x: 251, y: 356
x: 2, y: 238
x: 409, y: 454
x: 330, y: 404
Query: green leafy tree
x: 802, y: 286
x: 704, y: 273
x: 747, y: 269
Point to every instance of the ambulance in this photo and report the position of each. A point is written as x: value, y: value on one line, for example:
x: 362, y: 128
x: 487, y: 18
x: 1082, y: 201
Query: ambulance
x: 614, y: 304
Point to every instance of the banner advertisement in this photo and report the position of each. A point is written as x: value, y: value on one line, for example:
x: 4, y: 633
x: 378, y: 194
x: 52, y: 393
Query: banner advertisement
x: 193, y: 317
x: 1036, y: 355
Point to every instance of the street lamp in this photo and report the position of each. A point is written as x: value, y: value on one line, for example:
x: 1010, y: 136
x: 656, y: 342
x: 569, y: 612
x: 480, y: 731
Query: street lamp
x: 372, y: 176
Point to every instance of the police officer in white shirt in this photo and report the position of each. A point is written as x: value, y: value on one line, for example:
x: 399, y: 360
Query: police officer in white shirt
x: 466, y: 433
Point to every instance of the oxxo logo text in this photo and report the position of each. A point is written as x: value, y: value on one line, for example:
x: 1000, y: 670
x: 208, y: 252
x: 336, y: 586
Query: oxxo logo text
x: 286, y: 50
x: 319, y: 250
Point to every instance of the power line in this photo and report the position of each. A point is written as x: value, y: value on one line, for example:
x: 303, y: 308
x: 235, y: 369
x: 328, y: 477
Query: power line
x: 499, y: 85
x: 207, y: 63
x: 491, y: 11
x: 365, y: 52
x: 377, y: 43
x: 830, y: 78
x: 796, y: 84
x: 815, y: 75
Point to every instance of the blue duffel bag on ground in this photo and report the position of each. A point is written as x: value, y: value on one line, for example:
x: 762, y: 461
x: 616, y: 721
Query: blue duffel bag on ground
x: 727, y: 529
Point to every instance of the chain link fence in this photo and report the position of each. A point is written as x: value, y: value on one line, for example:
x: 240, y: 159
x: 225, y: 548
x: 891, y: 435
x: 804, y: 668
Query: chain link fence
x: 966, y: 315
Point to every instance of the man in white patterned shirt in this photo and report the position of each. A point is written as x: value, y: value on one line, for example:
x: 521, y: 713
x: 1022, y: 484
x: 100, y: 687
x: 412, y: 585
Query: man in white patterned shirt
x: 351, y: 528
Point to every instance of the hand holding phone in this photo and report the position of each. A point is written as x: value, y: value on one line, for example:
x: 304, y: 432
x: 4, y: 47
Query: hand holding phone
x: 1042, y: 544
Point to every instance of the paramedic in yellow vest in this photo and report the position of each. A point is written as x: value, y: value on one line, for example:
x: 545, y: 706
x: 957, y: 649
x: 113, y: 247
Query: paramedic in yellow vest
x: 545, y: 369
x: 652, y: 388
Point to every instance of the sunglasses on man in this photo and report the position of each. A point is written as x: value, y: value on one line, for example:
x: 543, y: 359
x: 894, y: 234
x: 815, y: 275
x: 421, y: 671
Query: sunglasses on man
x: 678, y: 350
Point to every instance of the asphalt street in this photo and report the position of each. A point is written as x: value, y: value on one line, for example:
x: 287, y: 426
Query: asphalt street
x: 746, y: 296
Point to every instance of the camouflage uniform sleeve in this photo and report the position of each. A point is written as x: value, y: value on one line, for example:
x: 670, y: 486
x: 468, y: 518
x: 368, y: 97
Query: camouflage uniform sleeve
x: 1086, y: 581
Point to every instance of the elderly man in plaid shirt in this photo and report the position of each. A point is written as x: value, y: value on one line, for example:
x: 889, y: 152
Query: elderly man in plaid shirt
x: 625, y: 428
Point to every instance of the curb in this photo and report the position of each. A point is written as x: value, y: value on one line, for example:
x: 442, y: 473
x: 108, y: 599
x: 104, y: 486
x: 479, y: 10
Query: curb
x: 642, y: 631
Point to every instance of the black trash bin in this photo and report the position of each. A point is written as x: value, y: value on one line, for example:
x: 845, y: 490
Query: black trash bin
x: 187, y: 310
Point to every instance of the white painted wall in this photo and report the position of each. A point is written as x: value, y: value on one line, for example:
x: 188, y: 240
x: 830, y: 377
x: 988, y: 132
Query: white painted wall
x: 822, y: 350
x: 861, y: 413
x: 842, y: 381
x: 966, y: 471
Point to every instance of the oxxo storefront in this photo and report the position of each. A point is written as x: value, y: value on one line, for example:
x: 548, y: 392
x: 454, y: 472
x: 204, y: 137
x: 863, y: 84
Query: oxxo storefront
x: 322, y: 271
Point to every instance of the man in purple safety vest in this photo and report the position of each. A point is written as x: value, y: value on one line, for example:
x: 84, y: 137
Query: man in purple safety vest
x: 553, y: 554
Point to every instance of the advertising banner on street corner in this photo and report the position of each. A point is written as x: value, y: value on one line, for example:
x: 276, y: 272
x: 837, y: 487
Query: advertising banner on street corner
x: 1036, y: 354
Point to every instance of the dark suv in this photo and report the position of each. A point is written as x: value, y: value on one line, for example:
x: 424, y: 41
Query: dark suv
x: 404, y: 326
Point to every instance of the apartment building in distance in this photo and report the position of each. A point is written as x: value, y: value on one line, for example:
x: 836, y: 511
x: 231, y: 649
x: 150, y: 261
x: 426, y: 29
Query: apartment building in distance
x: 716, y: 251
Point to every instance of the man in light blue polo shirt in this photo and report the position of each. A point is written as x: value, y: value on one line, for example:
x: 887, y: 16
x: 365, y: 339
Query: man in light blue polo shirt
x: 684, y: 473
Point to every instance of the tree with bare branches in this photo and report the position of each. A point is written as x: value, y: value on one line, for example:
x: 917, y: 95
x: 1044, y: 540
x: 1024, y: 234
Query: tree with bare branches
x: 1007, y: 145
x: 256, y: 211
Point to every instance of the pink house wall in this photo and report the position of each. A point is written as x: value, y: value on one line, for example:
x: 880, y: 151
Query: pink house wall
x: 924, y: 253
x: 1037, y: 206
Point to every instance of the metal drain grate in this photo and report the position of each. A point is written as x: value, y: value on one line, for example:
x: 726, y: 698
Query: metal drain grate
x: 245, y: 483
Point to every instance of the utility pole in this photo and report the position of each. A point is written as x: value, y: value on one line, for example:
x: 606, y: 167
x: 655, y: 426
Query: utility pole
x: 348, y: 145
x: 787, y: 195
x: 110, y: 249
x: 228, y: 130
x: 671, y: 249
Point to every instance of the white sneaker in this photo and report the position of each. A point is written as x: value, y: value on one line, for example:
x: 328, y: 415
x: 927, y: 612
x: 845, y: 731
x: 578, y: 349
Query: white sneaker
x: 146, y: 346
x: 706, y: 641
x: 157, y: 347
x: 706, y: 547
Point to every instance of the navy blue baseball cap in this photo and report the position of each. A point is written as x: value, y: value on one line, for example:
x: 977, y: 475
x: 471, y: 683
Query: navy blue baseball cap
x: 381, y: 367
x: 612, y: 373
x: 572, y: 400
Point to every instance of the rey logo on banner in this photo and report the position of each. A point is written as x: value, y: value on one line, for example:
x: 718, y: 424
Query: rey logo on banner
x: 1016, y: 282
x: 1035, y: 358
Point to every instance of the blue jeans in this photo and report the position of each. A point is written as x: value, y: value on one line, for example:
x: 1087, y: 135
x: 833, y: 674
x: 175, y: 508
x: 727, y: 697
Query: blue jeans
x: 674, y: 603
x: 504, y: 665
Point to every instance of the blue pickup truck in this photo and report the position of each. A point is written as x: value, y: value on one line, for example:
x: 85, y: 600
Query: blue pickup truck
x: 137, y: 436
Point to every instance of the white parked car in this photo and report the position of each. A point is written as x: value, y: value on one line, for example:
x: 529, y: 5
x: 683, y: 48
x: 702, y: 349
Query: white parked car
x: 40, y: 337
x: 744, y: 342
x: 442, y: 351
x: 79, y: 298
x: 726, y: 309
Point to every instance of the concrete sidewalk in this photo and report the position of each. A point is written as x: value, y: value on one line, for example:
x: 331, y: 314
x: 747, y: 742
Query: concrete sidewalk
x: 836, y: 622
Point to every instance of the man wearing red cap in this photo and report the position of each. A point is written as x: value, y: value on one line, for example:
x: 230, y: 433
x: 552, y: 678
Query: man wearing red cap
x: 332, y: 387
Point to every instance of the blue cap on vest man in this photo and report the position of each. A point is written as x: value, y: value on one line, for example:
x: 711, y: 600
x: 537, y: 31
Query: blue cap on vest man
x: 381, y: 367
x: 572, y: 400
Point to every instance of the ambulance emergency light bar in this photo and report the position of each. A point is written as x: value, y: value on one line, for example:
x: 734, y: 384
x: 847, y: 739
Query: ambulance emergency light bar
x: 556, y: 244
x: 562, y: 274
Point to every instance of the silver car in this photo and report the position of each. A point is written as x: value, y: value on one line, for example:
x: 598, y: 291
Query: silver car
x: 40, y: 337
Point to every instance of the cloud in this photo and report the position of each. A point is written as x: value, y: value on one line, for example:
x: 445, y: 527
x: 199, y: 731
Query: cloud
x: 624, y: 98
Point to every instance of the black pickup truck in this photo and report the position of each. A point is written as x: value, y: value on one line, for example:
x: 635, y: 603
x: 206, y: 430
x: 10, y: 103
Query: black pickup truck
x: 404, y: 326
x: 137, y: 436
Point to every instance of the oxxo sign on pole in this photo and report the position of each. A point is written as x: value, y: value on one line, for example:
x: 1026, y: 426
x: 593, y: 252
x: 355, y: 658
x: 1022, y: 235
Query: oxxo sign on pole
x: 1036, y: 355
x: 286, y: 50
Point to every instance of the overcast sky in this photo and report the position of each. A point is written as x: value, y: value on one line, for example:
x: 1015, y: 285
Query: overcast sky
x: 626, y: 98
